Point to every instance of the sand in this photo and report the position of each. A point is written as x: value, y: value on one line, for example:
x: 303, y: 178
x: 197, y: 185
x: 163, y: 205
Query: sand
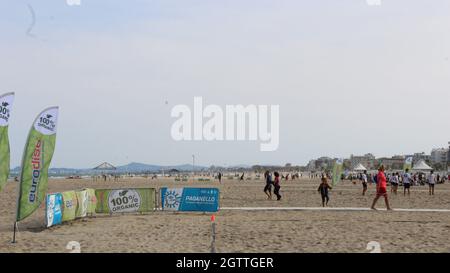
x: 241, y: 231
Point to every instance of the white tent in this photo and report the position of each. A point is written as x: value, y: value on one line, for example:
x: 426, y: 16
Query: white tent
x: 359, y: 168
x: 421, y: 166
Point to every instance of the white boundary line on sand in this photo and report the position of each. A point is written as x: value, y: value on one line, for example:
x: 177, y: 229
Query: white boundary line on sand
x: 326, y: 209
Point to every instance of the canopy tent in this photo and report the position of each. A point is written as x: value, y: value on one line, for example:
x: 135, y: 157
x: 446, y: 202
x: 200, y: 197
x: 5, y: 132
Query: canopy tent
x: 421, y: 166
x: 359, y: 168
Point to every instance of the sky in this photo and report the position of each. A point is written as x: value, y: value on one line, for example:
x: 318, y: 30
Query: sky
x: 350, y: 78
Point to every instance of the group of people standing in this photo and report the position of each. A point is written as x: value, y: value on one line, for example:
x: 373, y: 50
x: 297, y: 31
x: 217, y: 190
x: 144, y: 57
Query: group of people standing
x: 406, y: 180
x: 394, y: 180
x: 381, y: 179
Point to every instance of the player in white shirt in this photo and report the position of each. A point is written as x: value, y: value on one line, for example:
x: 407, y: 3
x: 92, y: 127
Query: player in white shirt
x: 431, y: 182
x: 364, y: 182
x: 406, y: 182
x: 394, y: 183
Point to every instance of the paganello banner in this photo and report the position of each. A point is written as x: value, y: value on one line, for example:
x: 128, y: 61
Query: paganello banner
x: 53, y: 209
x: 190, y: 199
x: 125, y: 200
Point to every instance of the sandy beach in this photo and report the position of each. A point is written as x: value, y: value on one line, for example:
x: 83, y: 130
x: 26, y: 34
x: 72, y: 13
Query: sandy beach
x: 241, y: 231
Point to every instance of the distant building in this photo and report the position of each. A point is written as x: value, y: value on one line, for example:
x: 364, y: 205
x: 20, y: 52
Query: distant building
x: 347, y: 164
x: 370, y: 162
x: 392, y: 163
x: 439, y: 156
x: 311, y: 167
x: 320, y: 164
x: 324, y: 163
x: 367, y: 160
x: 421, y: 156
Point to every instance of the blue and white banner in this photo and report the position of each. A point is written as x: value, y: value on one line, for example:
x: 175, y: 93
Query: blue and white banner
x: 190, y: 199
x: 53, y: 211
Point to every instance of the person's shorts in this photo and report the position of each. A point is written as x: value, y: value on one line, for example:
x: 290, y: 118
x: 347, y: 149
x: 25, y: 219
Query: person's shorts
x: 381, y: 192
x: 431, y: 185
x: 394, y: 184
x: 268, y: 187
x: 364, y: 185
x: 407, y: 185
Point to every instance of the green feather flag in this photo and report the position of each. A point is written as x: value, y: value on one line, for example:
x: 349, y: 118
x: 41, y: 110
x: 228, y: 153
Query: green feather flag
x: 337, y: 171
x: 36, y: 160
x: 6, y: 102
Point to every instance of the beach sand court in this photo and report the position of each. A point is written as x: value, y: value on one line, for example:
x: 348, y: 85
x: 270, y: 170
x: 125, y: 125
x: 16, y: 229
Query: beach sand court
x: 238, y: 230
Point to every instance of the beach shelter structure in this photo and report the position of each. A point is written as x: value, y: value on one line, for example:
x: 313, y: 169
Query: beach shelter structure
x: 421, y: 166
x: 104, y: 169
x: 105, y: 166
x: 359, y: 168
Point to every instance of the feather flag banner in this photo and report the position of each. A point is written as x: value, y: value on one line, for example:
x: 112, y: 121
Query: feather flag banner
x: 6, y: 102
x: 36, y: 160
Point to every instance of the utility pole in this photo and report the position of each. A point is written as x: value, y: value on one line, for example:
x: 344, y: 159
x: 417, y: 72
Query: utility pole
x: 193, y: 165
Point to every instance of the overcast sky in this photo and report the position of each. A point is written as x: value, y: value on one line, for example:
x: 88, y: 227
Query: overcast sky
x: 349, y: 77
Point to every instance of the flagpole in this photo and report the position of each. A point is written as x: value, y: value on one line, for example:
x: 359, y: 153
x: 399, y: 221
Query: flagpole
x: 20, y: 188
x: 14, y: 234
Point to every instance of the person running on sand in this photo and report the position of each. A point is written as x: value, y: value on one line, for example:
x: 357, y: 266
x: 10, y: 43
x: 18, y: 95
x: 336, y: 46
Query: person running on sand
x: 323, y: 189
x: 268, y: 187
x: 220, y: 177
x: 406, y: 182
x: 364, y: 182
x: 277, y: 186
x: 431, y: 182
x: 381, y: 189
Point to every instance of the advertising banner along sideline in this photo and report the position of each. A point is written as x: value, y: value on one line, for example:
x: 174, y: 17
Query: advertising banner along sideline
x: 125, y: 200
x: 36, y: 160
x: 190, y: 199
x: 83, y: 203
x: 70, y: 204
x: 6, y: 102
x: 53, y: 209
x: 92, y: 201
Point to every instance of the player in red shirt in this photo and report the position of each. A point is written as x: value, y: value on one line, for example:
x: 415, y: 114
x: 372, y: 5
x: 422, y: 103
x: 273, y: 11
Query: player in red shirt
x: 381, y: 188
